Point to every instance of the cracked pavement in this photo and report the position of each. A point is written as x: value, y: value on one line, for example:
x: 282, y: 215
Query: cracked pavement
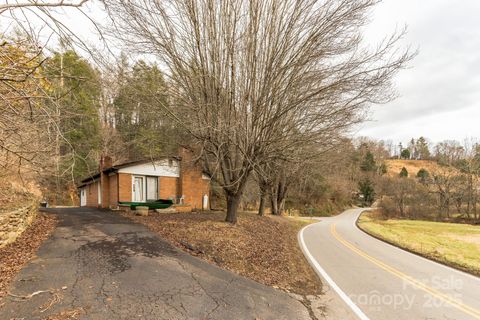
x: 100, y: 265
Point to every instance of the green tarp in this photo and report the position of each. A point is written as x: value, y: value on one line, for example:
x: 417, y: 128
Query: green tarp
x: 158, y: 204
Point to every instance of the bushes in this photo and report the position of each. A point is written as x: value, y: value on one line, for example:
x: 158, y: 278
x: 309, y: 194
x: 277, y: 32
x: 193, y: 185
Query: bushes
x: 423, y: 175
x: 405, y: 198
x: 403, y: 173
x: 367, y: 191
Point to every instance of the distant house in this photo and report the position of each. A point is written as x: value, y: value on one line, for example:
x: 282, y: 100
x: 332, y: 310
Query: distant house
x: 175, y: 178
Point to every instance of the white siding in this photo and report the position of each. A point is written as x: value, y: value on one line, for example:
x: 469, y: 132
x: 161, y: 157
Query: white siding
x: 162, y: 168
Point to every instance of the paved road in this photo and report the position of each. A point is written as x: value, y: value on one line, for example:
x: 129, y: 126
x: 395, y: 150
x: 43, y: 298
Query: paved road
x: 103, y: 266
x: 380, y: 281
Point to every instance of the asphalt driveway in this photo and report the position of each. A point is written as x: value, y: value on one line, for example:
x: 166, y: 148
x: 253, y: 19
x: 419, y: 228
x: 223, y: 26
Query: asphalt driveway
x: 99, y: 265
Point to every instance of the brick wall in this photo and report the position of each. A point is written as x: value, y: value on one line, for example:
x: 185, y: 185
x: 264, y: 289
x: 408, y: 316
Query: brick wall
x: 118, y: 187
x: 125, y: 187
x: 92, y: 194
x: 105, y: 183
x: 168, y: 187
x: 192, y: 186
x: 113, y: 190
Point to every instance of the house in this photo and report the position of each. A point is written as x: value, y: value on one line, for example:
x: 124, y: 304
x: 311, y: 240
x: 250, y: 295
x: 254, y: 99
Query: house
x: 175, y: 178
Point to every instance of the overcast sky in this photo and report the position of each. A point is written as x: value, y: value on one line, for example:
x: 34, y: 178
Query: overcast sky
x: 439, y: 95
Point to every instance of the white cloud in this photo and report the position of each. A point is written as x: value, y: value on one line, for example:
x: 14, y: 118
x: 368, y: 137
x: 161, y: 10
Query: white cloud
x: 439, y: 96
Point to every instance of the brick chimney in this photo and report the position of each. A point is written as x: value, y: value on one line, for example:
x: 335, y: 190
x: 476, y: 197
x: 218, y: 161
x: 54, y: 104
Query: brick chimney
x: 105, y: 163
x: 191, y: 185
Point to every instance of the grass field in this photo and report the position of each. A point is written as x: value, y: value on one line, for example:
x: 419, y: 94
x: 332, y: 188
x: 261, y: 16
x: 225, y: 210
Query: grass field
x: 394, y: 166
x: 457, y: 245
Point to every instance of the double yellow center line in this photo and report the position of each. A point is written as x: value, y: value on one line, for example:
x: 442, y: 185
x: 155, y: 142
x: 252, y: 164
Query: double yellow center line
x: 437, y: 294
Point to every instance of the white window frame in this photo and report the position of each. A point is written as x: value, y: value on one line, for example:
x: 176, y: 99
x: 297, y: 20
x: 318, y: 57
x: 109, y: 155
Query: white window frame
x: 99, y: 190
x: 157, y: 183
x: 144, y: 186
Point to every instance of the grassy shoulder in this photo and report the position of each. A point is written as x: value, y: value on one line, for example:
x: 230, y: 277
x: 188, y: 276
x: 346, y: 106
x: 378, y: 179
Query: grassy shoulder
x: 264, y: 249
x: 14, y: 256
x: 457, y: 245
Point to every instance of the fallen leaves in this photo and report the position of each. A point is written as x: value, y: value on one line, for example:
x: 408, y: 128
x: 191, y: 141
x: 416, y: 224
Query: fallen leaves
x: 264, y: 249
x: 15, y: 255
x: 67, y: 314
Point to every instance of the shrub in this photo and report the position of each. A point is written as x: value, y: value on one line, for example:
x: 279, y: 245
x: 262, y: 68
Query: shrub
x: 403, y: 173
x: 423, y: 175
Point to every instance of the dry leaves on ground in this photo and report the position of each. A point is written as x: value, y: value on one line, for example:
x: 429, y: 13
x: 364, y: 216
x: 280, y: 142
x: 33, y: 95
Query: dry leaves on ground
x: 264, y: 249
x: 15, y: 255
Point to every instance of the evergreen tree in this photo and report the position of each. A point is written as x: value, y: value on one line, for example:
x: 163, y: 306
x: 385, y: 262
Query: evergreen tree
x: 368, y: 164
x: 140, y: 115
x: 423, y: 175
x: 403, y: 173
x: 421, y: 146
x: 76, y: 86
x: 405, y: 154
x: 367, y: 191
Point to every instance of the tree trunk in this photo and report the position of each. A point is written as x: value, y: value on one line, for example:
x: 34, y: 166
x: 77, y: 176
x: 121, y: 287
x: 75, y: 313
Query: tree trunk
x: 274, y: 203
x: 281, y: 206
x: 470, y: 195
x: 263, y: 186
x: 279, y: 191
x: 261, y: 207
x: 281, y: 195
x: 232, y: 207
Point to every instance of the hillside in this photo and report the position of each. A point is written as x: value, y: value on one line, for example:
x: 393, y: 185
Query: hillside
x: 15, y: 193
x: 413, y: 166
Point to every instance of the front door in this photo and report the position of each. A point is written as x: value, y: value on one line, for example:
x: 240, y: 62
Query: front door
x: 138, y: 189
x: 83, y: 197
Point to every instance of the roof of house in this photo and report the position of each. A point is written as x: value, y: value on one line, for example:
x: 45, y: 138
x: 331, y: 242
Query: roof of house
x: 116, y: 167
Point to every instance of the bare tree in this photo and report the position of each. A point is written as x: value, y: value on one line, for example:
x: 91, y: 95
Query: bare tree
x: 468, y: 184
x: 444, y: 182
x: 29, y: 126
x: 36, y: 4
x: 448, y: 152
x: 24, y: 119
x: 251, y: 80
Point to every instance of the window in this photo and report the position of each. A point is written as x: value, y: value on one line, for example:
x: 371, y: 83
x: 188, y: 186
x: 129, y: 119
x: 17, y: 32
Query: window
x: 152, y: 188
x: 138, y: 189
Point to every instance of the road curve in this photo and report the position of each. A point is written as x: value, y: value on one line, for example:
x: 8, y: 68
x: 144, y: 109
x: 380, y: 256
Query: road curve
x: 379, y: 281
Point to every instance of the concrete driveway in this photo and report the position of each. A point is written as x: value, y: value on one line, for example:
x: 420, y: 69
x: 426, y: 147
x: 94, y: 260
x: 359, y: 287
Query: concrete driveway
x: 99, y: 265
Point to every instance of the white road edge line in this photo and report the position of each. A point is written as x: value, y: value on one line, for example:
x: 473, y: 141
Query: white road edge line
x: 359, y: 313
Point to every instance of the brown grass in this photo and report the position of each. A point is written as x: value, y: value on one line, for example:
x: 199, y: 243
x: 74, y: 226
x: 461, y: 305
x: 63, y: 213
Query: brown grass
x: 413, y: 166
x: 264, y: 249
x: 17, y: 254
